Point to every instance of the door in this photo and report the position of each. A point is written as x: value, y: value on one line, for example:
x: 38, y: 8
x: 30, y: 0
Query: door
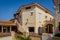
x: 39, y: 30
x: 49, y: 28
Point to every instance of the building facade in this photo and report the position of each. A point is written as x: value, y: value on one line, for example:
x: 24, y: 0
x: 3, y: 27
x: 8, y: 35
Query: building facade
x: 57, y: 22
x: 34, y: 18
x: 7, y: 27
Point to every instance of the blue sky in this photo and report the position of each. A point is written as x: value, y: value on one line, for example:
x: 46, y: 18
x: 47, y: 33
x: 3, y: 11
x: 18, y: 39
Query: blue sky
x: 9, y: 7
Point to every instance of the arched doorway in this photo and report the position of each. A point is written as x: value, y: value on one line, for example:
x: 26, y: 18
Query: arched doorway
x: 49, y: 28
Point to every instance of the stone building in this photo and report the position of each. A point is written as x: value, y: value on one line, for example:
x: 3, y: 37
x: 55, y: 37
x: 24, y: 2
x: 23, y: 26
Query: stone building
x: 35, y: 18
x: 57, y: 22
x: 32, y: 18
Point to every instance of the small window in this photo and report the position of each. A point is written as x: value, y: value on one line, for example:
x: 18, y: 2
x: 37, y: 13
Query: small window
x: 31, y: 29
x: 50, y: 18
x: 46, y: 17
x: 31, y: 13
x: 28, y: 7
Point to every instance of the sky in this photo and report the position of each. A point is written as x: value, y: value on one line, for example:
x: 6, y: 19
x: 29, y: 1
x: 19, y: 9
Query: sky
x: 9, y: 7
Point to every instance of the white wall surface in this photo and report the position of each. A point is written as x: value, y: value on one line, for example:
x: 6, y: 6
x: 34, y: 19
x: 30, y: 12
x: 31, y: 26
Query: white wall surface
x: 6, y: 38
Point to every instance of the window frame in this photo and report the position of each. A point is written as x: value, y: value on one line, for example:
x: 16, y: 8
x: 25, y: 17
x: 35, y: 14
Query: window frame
x: 31, y: 28
x: 28, y: 8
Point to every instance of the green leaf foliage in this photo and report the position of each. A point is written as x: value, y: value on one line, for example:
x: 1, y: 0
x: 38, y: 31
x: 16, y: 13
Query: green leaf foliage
x: 23, y: 38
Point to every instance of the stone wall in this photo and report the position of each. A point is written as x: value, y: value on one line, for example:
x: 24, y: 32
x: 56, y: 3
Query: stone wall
x: 36, y: 38
x: 56, y: 38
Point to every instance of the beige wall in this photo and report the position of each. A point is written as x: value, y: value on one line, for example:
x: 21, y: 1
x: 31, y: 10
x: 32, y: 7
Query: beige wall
x: 57, y: 15
x: 57, y: 22
x: 43, y: 13
x: 33, y: 20
x: 26, y: 14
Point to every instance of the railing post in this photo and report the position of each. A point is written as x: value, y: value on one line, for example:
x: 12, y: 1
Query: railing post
x: 2, y: 29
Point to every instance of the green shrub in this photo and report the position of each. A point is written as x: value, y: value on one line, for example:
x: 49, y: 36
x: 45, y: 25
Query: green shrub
x: 23, y: 38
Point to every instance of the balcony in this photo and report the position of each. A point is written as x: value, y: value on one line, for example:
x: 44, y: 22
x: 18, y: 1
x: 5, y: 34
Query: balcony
x: 49, y: 22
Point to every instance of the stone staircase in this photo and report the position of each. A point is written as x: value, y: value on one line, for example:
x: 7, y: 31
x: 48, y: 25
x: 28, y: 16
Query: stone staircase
x: 20, y: 28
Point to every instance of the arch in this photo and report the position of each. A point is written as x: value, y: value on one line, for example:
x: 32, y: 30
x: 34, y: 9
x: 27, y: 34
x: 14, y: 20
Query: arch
x: 49, y: 28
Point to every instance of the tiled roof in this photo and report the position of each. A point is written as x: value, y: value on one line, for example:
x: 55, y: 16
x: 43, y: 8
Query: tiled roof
x: 38, y: 5
x: 7, y: 23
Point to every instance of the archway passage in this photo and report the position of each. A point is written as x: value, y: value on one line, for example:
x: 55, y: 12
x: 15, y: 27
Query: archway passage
x: 49, y: 28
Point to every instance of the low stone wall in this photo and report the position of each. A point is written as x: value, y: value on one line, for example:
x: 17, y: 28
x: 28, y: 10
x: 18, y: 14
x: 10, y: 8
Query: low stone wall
x: 36, y: 38
x: 46, y: 36
x: 56, y: 38
x: 7, y: 36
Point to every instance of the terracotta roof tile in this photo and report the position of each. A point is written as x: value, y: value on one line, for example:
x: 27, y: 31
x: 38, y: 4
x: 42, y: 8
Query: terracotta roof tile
x: 7, y: 23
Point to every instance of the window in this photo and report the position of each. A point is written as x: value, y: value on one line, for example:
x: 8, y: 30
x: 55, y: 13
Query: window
x: 50, y: 18
x: 59, y: 26
x: 39, y: 17
x: 46, y: 17
x: 28, y: 7
x: 59, y: 8
x: 31, y: 13
x: 31, y: 29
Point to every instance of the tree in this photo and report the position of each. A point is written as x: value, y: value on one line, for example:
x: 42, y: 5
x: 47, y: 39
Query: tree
x: 11, y: 20
x: 23, y: 38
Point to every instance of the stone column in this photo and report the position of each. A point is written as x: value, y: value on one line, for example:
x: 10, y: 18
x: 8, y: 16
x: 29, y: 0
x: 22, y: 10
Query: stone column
x: 2, y: 29
x: 10, y: 28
